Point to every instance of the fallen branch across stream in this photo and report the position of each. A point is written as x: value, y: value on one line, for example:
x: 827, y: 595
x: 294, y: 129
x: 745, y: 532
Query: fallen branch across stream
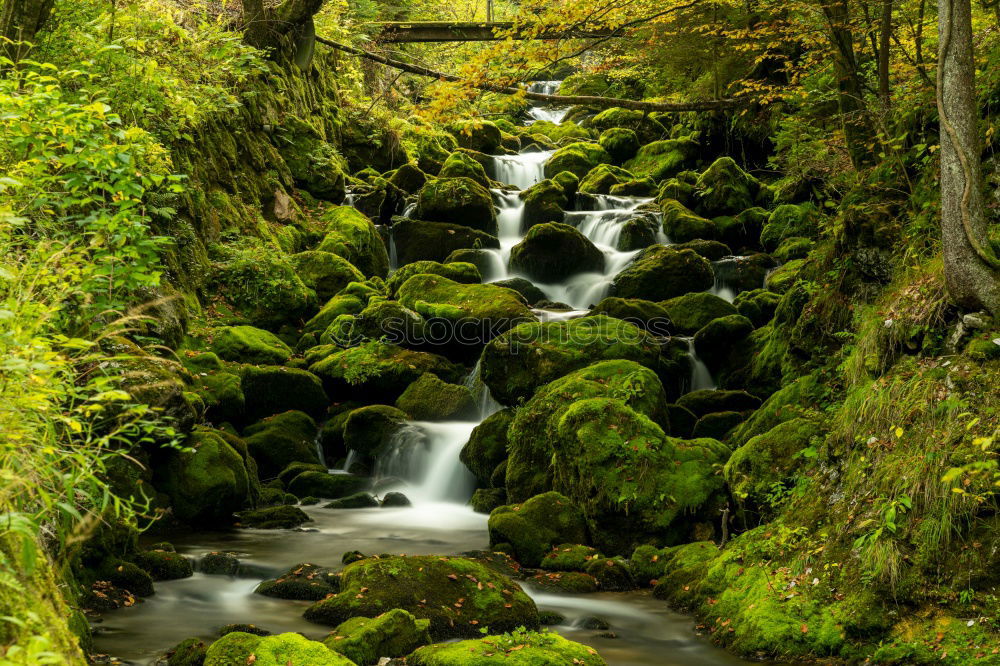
x: 558, y: 100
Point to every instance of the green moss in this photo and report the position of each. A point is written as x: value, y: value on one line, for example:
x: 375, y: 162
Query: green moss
x: 355, y: 501
x: 717, y: 425
x: 222, y: 395
x: 553, y: 252
x: 726, y: 189
x: 164, y: 565
x: 208, y: 484
x: 691, y: 312
x: 569, y: 557
x: 602, y: 177
x: 457, y: 201
x: 768, y: 459
x: 365, y: 640
x: 431, y: 399
x: 324, y: 272
x: 457, y: 271
x: 189, y: 652
x: 682, y: 225
x: 637, y: 187
x: 742, y: 230
x: 279, y: 440
x: 788, y: 221
x: 781, y: 279
x: 351, y: 235
x: 246, y: 344
x: 620, y: 142
x: 792, y: 248
x: 278, y: 650
x: 533, y: 527
x: 368, y: 429
x: 659, y: 273
x: 303, y: 582
x: 527, y: 649
x: 648, y: 563
x: 757, y: 305
x: 650, y: 316
x: 430, y: 588
x: 274, y: 389
x: 460, y: 165
x: 314, y: 164
x: 485, y: 500
x: 568, y: 181
x: 717, y: 340
x: 984, y: 349
x: 340, y: 304
x: 477, y: 134
x: 578, y: 158
x: 531, y: 355
x: 553, y: 133
x: 418, y: 240
x: 325, y: 485
x: 611, y: 574
x: 565, y: 582
x: 409, y: 178
x: 273, y: 517
x: 544, y: 202
x: 660, y: 160
x: 487, y: 445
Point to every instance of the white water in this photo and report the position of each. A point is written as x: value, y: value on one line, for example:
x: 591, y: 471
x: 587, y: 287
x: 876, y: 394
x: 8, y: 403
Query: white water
x: 724, y: 269
x: 701, y: 378
x: 522, y: 170
x: 553, y: 114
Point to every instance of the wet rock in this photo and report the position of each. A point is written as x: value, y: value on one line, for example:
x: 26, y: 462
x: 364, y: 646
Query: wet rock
x: 544, y: 202
x: 303, y: 582
x: 487, y: 445
x: 458, y: 271
x: 245, y: 628
x: 647, y: 315
x: 409, y: 178
x: 612, y: 574
x: 638, y: 233
x: 431, y: 399
x: 278, y: 650
x: 457, y: 595
x: 691, y: 312
x: 324, y: 272
x: 189, y: 652
x: 423, y: 240
x: 368, y: 429
x: 553, y: 252
x: 247, y: 344
x: 565, y: 582
x: 126, y: 576
x: 550, y: 618
x: 742, y: 230
x: 457, y: 201
x: 219, y: 564
x: 663, y: 159
x: 365, y: 641
x: 273, y: 517
x: 717, y: 425
x: 718, y: 338
x: 710, y: 249
x: 481, y: 135
x: 682, y: 225
x: 207, y: 484
x: 280, y: 440
x: 273, y: 389
x: 620, y: 142
x: 351, y: 235
x: 355, y: 501
x: 578, y: 158
x: 682, y: 421
x: 534, y: 526
x: 164, y: 565
x: 460, y: 165
x: 485, y: 500
x: 530, y: 292
x: 659, y: 273
x: 707, y: 401
x: 393, y: 500
x: 593, y: 623
x: 540, y: 648
x: 329, y: 486
x: 601, y: 178
x: 569, y: 557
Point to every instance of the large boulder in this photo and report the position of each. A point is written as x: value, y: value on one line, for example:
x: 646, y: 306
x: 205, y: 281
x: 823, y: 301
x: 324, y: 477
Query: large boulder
x: 515, y: 364
x: 620, y: 142
x: 553, y: 252
x: 458, y: 595
x: 659, y: 273
x: 432, y: 399
x: 717, y: 340
x: 742, y: 231
x: 329, y: 486
x: 378, y: 371
x: 767, y: 459
x: 602, y: 178
x: 475, y: 134
x: 682, y: 225
x: 461, y: 165
x: 313, y: 163
x: 434, y: 241
x: 647, y: 315
x: 487, y: 446
x: 532, y: 528
x: 272, y: 389
x: 248, y: 344
x: 526, y: 649
x: 586, y: 435
x: 690, y: 312
x: 280, y: 440
x: 544, y: 201
x: 207, y: 484
x: 351, y: 235
x: 457, y: 201
x: 789, y: 221
x: 239, y: 647
x: 366, y: 640
x: 577, y: 158
x: 726, y: 189
x: 324, y: 272
x: 368, y: 429
x: 459, y: 271
x: 663, y: 159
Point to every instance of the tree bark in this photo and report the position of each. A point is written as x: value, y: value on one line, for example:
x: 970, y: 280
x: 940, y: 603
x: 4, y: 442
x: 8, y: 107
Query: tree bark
x: 857, y: 128
x: 971, y: 268
x: 265, y: 26
x: 885, y: 36
x: 20, y: 21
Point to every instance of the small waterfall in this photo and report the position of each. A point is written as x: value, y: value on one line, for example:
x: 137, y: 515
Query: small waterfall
x: 551, y: 114
x: 346, y: 469
x: 701, y: 378
x: 522, y: 170
x: 424, y: 455
x: 481, y: 393
x: 725, y: 270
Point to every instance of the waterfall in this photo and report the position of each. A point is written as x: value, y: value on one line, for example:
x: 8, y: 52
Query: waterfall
x: 346, y: 469
x: 550, y: 114
x: 701, y: 378
x: 725, y: 269
x: 481, y: 392
x: 424, y: 456
x: 522, y: 170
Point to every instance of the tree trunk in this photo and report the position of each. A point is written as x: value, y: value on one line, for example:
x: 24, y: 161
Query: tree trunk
x: 264, y: 27
x: 885, y: 35
x: 971, y: 268
x: 20, y: 21
x: 857, y: 128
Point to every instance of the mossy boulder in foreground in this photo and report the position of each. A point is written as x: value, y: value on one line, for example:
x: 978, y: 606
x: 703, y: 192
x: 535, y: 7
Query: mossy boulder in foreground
x: 544, y: 202
x: 519, y: 649
x: 659, y: 273
x: 553, y: 252
x: 431, y: 399
x: 247, y: 344
x: 208, y: 484
x: 365, y: 640
x: 279, y: 650
x: 458, y: 595
x: 533, y: 527
x: 351, y: 235
x: 458, y: 201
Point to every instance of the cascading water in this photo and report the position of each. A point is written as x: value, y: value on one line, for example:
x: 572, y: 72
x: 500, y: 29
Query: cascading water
x: 725, y: 269
x: 547, y: 113
x: 701, y: 378
x: 521, y: 170
x: 423, y: 456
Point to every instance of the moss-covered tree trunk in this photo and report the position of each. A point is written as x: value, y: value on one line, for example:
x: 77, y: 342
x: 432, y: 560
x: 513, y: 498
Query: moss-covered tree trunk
x: 20, y: 21
x: 972, y: 270
x: 857, y: 128
x: 265, y: 26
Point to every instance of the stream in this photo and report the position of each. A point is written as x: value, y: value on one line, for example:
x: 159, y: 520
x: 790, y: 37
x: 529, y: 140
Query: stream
x: 423, y: 462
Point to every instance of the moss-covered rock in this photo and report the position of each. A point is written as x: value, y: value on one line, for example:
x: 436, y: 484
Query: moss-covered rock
x: 613, y: 574
x: 273, y: 517
x: 164, y: 564
x: 247, y: 344
x: 222, y: 394
x: 280, y: 440
x: 726, y: 189
x: 477, y: 134
x: 601, y: 178
x: 342, y: 303
x: 544, y: 202
x: 355, y: 501
x: 529, y: 291
x: 485, y: 500
x: 303, y: 582
x: 781, y: 279
x: 644, y: 314
x: 757, y: 305
x: 682, y: 421
x: 508, y: 650
x: 377, y: 371
x: 219, y: 564
x: 460, y: 165
x: 463, y: 272
x: 577, y: 158
x: 274, y: 389
x: 531, y: 355
x: 409, y: 178
x: 207, y: 484
x: 368, y: 429
x: 638, y: 233
x: 459, y: 596
x: 790, y: 220
x: 457, y: 201
x: 717, y: 425
x: 366, y: 640
x: 351, y: 235
x: 795, y: 247
x: 767, y: 459
x: 189, y: 652
x: 431, y: 399
x: 621, y: 143
x: 487, y: 445
x: 682, y: 225
x: 324, y: 272
x: 569, y: 557
x: 314, y: 163
x: 325, y: 485
x: 553, y: 252
x: 659, y: 273
x: 716, y: 340
x: 533, y: 527
x: 707, y: 401
x: 742, y: 231
x: 691, y: 312
x: 744, y: 273
x: 660, y: 160
x: 648, y: 563
x: 422, y: 240
x: 279, y: 650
